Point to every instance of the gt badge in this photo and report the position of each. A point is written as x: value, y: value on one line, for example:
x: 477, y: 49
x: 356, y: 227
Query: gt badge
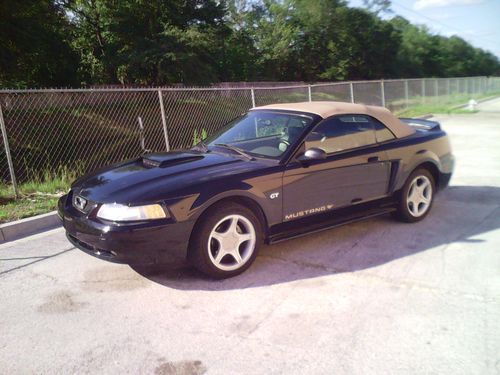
x: 274, y: 195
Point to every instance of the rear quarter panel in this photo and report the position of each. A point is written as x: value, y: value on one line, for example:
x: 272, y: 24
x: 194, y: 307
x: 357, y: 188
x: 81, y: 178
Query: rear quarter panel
x: 422, y: 147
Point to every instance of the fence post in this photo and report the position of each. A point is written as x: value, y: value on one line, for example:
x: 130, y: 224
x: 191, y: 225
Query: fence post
x: 423, y: 90
x: 351, y: 91
x: 382, y: 92
x: 448, y: 89
x: 407, y: 97
x: 436, y: 88
x: 163, y: 120
x: 7, y: 153
x: 253, y: 97
x: 309, y: 92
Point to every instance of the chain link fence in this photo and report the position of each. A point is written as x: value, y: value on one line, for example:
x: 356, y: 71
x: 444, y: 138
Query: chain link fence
x: 49, y: 132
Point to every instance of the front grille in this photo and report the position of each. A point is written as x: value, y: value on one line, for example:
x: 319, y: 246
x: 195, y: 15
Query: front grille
x: 89, y: 248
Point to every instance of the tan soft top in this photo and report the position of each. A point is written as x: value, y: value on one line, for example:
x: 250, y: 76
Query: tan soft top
x: 327, y: 109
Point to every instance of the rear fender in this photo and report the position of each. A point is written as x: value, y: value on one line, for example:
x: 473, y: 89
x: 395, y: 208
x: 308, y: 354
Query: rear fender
x: 420, y: 158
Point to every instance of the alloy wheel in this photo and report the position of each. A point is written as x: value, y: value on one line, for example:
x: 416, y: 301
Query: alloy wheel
x: 419, y: 196
x: 231, y: 242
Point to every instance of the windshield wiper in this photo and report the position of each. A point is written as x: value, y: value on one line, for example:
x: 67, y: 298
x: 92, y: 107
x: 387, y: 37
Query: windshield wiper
x: 235, y: 149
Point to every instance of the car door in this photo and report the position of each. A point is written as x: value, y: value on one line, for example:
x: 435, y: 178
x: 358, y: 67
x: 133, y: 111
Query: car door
x: 355, y: 169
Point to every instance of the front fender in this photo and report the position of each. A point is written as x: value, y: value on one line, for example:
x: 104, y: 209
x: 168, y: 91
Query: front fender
x: 263, y: 189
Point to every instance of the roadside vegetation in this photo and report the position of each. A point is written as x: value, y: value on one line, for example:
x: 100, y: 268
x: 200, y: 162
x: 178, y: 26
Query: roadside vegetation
x: 36, y: 197
x: 451, y: 105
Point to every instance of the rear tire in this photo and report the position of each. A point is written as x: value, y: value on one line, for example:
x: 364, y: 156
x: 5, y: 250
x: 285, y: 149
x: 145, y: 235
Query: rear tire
x: 225, y: 241
x: 416, y: 196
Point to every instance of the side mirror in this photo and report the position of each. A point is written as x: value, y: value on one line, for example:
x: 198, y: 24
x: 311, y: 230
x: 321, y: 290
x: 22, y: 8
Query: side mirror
x: 312, y: 154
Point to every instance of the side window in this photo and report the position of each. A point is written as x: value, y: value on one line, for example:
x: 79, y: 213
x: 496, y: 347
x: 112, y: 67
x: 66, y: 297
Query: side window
x: 381, y: 132
x: 342, y: 133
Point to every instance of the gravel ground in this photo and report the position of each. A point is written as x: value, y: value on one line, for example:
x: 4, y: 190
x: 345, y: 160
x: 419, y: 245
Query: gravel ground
x: 373, y: 297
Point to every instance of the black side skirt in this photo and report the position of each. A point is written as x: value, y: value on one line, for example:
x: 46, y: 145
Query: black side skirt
x: 318, y: 223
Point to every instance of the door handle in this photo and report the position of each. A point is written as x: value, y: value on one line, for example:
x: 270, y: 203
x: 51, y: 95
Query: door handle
x: 372, y: 159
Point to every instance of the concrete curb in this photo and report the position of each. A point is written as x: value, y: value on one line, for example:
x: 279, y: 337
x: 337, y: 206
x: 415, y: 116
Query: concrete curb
x: 31, y: 225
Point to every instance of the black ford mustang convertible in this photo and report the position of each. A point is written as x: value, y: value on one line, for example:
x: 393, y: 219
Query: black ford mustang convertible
x: 277, y: 172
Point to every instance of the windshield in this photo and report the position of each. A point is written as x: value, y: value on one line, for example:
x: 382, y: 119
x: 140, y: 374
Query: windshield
x: 262, y: 133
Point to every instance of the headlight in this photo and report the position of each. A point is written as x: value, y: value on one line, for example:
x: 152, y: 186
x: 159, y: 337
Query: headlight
x: 121, y: 212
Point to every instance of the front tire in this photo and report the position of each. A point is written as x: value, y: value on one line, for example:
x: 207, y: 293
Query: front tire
x: 417, y: 196
x: 226, y: 240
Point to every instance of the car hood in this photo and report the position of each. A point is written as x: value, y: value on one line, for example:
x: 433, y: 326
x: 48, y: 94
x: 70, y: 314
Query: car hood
x: 158, y: 176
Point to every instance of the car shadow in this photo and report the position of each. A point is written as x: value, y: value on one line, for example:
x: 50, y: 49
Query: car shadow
x: 460, y: 214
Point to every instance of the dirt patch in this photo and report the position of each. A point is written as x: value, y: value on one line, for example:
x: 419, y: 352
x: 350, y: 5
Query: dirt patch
x: 181, y: 368
x: 59, y: 303
x: 115, y: 278
x: 5, y: 200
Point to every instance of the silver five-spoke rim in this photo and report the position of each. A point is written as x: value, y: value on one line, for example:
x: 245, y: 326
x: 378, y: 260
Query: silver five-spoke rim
x: 419, y: 196
x: 231, y: 242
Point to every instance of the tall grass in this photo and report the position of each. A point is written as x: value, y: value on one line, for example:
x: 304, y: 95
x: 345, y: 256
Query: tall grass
x: 446, y: 105
x: 49, y: 183
x: 36, y: 197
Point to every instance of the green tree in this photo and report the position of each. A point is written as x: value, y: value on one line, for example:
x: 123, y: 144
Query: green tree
x: 419, y: 53
x: 148, y: 42
x: 275, y: 34
x: 423, y: 54
x: 378, y: 6
x: 197, y: 42
x: 486, y: 63
x: 336, y: 42
x: 35, y: 45
x: 237, y: 60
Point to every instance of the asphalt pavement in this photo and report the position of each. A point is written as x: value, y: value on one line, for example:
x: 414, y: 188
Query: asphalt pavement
x: 376, y: 296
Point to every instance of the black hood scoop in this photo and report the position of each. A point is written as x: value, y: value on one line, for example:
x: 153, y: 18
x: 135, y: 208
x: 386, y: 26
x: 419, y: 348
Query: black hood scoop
x: 167, y: 159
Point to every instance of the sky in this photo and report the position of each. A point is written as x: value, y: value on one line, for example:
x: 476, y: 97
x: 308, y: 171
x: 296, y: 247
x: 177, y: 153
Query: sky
x: 477, y: 21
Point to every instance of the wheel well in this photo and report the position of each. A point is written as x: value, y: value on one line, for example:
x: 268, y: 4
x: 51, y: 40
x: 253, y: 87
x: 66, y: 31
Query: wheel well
x: 252, y: 205
x: 431, y: 167
x: 244, y: 201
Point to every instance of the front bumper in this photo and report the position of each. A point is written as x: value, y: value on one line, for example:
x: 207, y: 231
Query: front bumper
x: 158, y: 241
